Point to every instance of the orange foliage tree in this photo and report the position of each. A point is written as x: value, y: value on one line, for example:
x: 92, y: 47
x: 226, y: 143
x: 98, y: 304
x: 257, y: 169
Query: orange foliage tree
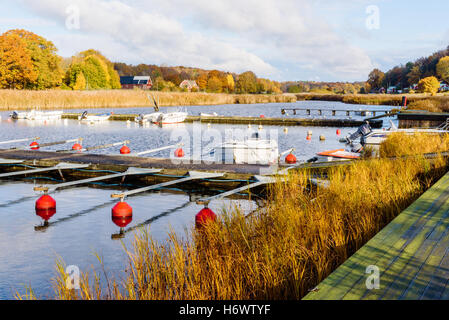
x: 16, y: 66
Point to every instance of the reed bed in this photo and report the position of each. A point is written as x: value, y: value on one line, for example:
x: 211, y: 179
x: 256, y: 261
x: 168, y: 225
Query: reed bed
x: 279, y: 252
x: 64, y: 99
x: 401, y: 144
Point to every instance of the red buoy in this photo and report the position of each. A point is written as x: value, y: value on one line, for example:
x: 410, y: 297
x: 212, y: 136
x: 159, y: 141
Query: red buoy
x: 338, y: 132
x: 34, y: 145
x: 125, y: 150
x: 122, y: 214
x: 45, y: 207
x: 309, y: 137
x: 262, y: 116
x: 179, y: 153
x: 205, y: 216
x: 291, y: 159
x: 77, y: 147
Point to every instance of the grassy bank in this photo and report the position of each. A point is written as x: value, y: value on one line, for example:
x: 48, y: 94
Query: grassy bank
x: 438, y: 103
x: 280, y: 252
x: 62, y: 99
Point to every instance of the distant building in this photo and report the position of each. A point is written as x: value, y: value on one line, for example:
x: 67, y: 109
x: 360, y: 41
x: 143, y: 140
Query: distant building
x: 444, y: 87
x: 131, y: 82
x: 391, y: 90
x: 189, y: 85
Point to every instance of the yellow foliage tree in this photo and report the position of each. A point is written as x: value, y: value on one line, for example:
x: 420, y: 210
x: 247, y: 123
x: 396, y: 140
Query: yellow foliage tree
x: 443, y: 68
x: 429, y: 85
x: 80, y: 83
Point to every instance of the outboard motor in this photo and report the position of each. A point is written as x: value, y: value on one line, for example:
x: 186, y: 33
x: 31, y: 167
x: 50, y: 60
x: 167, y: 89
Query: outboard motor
x: 363, y: 131
x: 84, y: 115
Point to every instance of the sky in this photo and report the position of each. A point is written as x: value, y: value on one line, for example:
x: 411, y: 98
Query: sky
x: 283, y: 40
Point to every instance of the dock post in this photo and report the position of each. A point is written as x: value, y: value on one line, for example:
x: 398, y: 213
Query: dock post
x: 308, y: 112
x: 374, y: 113
x: 294, y: 112
x: 334, y: 112
x: 348, y: 113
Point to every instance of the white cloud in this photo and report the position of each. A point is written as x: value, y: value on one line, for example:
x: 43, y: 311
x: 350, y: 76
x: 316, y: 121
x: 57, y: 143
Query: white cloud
x: 231, y: 35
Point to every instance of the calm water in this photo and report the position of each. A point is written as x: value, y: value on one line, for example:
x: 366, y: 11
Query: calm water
x: 82, y: 225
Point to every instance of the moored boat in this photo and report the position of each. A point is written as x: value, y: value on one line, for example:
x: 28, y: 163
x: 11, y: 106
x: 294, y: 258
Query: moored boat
x: 37, y: 115
x: 95, y: 117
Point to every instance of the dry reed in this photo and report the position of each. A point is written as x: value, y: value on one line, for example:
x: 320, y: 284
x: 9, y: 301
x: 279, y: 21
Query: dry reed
x: 282, y: 251
x: 400, y: 144
x: 63, y: 99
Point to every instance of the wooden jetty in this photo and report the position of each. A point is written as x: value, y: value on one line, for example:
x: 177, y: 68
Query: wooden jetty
x: 421, y: 118
x: 411, y: 255
x: 320, y: 111
x: 254, y: 120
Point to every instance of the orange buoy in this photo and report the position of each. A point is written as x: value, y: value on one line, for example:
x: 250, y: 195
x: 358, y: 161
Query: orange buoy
x: 34, y: 145
x: 291, y: 159
x: 122, y: 210
x: 77, y: 147
x: 338, y: 132
x: 179, y: 153
x: 205, y: 216
x: 122, y: 214
x: 46, y: 207
x: 309, y: 137
x: 125, y: 150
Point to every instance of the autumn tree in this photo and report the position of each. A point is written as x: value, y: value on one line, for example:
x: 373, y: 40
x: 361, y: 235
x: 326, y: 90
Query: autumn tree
x: 429, y: 85
x: 202, y: 81
x: 93, y: 68
x: 46, y: 63
x: 16, y: 67
x: 414, y: 75
x: 443, y: 68
x: 214, y: 84
x: 247, y: 83
x: 375, y: 79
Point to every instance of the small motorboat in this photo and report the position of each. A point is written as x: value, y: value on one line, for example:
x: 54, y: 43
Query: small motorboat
x: 151, y: 117
x: 336, y: 155
x: 375, y: 137
x: 37, y: 115
x: 208, y: 114
x: 95, y: 117
x: 171, y: 118
x: 249, y: 151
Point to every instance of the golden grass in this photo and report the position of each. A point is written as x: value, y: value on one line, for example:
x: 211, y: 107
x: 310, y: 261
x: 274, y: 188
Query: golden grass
x: 280, y: 252
x: 400, y: 144
x: 64, y: 99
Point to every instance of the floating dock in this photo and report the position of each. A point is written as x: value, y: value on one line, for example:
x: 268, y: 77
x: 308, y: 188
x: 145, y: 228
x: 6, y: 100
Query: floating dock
x: 411, y: 255
x: 420, y: 118
x: 254, y: 120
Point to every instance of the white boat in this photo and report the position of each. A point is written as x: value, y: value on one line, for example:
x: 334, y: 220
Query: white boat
x: 377, y: 136
x: 208, y: 114
x: 170, y: 118
x: 37, y: 115
x: 95, y: 117
x: 250, y: 151
x: 151, y: 117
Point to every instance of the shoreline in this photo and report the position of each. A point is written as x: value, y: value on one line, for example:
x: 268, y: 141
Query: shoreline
x: 62, y: 99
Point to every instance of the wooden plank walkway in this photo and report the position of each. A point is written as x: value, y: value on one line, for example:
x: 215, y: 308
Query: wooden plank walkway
x: 412, y: 254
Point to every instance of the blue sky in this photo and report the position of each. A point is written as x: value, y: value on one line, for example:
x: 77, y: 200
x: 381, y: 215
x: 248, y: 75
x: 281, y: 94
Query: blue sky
x: 320, y: 40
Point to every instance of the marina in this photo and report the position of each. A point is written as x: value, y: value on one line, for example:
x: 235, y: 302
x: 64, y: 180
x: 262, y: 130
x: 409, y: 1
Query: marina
x: 92, y: 170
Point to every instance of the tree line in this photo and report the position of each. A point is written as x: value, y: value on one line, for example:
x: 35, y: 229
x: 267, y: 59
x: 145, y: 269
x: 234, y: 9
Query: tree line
x: 424, y: 74
x: 29, y: 61
x: 169, y: 78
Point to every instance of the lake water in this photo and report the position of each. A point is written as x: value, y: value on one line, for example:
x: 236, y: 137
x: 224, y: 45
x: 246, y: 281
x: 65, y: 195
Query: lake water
x: 82, y: 225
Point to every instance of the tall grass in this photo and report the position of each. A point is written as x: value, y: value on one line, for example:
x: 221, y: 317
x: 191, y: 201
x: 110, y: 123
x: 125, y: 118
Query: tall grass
x: 401, y: 144
x: 280, y: 252
x: 62, y: 99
